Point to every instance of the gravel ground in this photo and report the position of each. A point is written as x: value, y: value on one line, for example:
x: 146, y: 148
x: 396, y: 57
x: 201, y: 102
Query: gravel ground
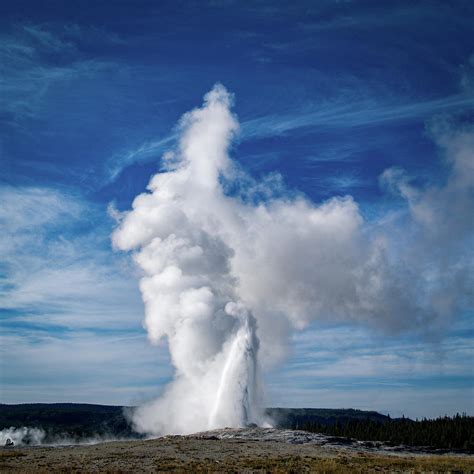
x: 227, y: 451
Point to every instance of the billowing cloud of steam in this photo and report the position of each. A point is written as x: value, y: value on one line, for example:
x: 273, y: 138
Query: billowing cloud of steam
x: 22, y: 436
x: 231, y: 266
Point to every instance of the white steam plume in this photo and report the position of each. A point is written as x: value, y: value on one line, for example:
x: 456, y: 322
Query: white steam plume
x: 224, y: 258
x: 22, y: 436
x: 34, y: 436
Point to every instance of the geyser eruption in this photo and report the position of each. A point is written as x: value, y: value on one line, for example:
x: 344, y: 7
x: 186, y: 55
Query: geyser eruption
x: 188, y: 289
x: 231, y: 266
x: 238, y: 407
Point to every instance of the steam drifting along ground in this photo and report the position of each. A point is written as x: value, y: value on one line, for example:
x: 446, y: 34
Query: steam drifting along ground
x: 231, y: 266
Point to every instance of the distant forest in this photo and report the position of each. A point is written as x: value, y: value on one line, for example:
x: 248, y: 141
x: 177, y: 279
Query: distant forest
x: 75, y: 421
x: 450, y: 433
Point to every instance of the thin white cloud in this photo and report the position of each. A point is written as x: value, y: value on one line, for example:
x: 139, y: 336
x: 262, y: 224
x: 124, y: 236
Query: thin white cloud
x: 57, y: 265
x: 352, y: 113
x: 393, y: 399
x: 33, y: 59
x: 79, y: 367
x: 336, y: 184
x: 148, y: 151
x: 70, y: 311
x: 347, y: 111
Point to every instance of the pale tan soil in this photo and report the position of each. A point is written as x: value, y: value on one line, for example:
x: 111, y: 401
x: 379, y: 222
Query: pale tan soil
x: 188, y: 454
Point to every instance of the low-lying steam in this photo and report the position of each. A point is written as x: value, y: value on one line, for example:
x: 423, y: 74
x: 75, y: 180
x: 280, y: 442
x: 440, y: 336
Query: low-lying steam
x: 34, y: 436
x: 22, y: 436
x: 230, y: 266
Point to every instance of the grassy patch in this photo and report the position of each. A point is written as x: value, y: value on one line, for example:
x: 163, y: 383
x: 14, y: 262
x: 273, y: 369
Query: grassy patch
x: 337, y: 465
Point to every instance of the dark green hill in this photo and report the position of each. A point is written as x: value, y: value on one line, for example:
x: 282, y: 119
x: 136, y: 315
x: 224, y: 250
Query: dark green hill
x: 71, y: 420
x: 298, y: 418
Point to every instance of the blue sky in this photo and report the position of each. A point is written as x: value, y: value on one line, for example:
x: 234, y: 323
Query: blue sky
x: 328, y: 94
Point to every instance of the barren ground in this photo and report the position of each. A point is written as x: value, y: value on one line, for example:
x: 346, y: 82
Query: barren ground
x: 222, y: 453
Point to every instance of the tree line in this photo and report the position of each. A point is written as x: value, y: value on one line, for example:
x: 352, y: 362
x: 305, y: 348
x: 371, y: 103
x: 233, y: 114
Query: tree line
x: 446, y: 432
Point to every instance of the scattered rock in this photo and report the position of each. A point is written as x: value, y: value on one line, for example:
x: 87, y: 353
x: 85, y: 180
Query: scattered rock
x: 9, y: 443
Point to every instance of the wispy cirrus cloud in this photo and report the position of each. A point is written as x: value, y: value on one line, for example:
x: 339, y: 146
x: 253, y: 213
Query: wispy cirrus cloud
x: 33, y: 60
x: 150, y: 150
x: 51, y: 367
x: 57, y: 269
x: 365, y: 374
x: 394, y: 399
x: 336, y: 184
x: 70, y: 313
x: 350, y: 114
x: 339, y: 114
